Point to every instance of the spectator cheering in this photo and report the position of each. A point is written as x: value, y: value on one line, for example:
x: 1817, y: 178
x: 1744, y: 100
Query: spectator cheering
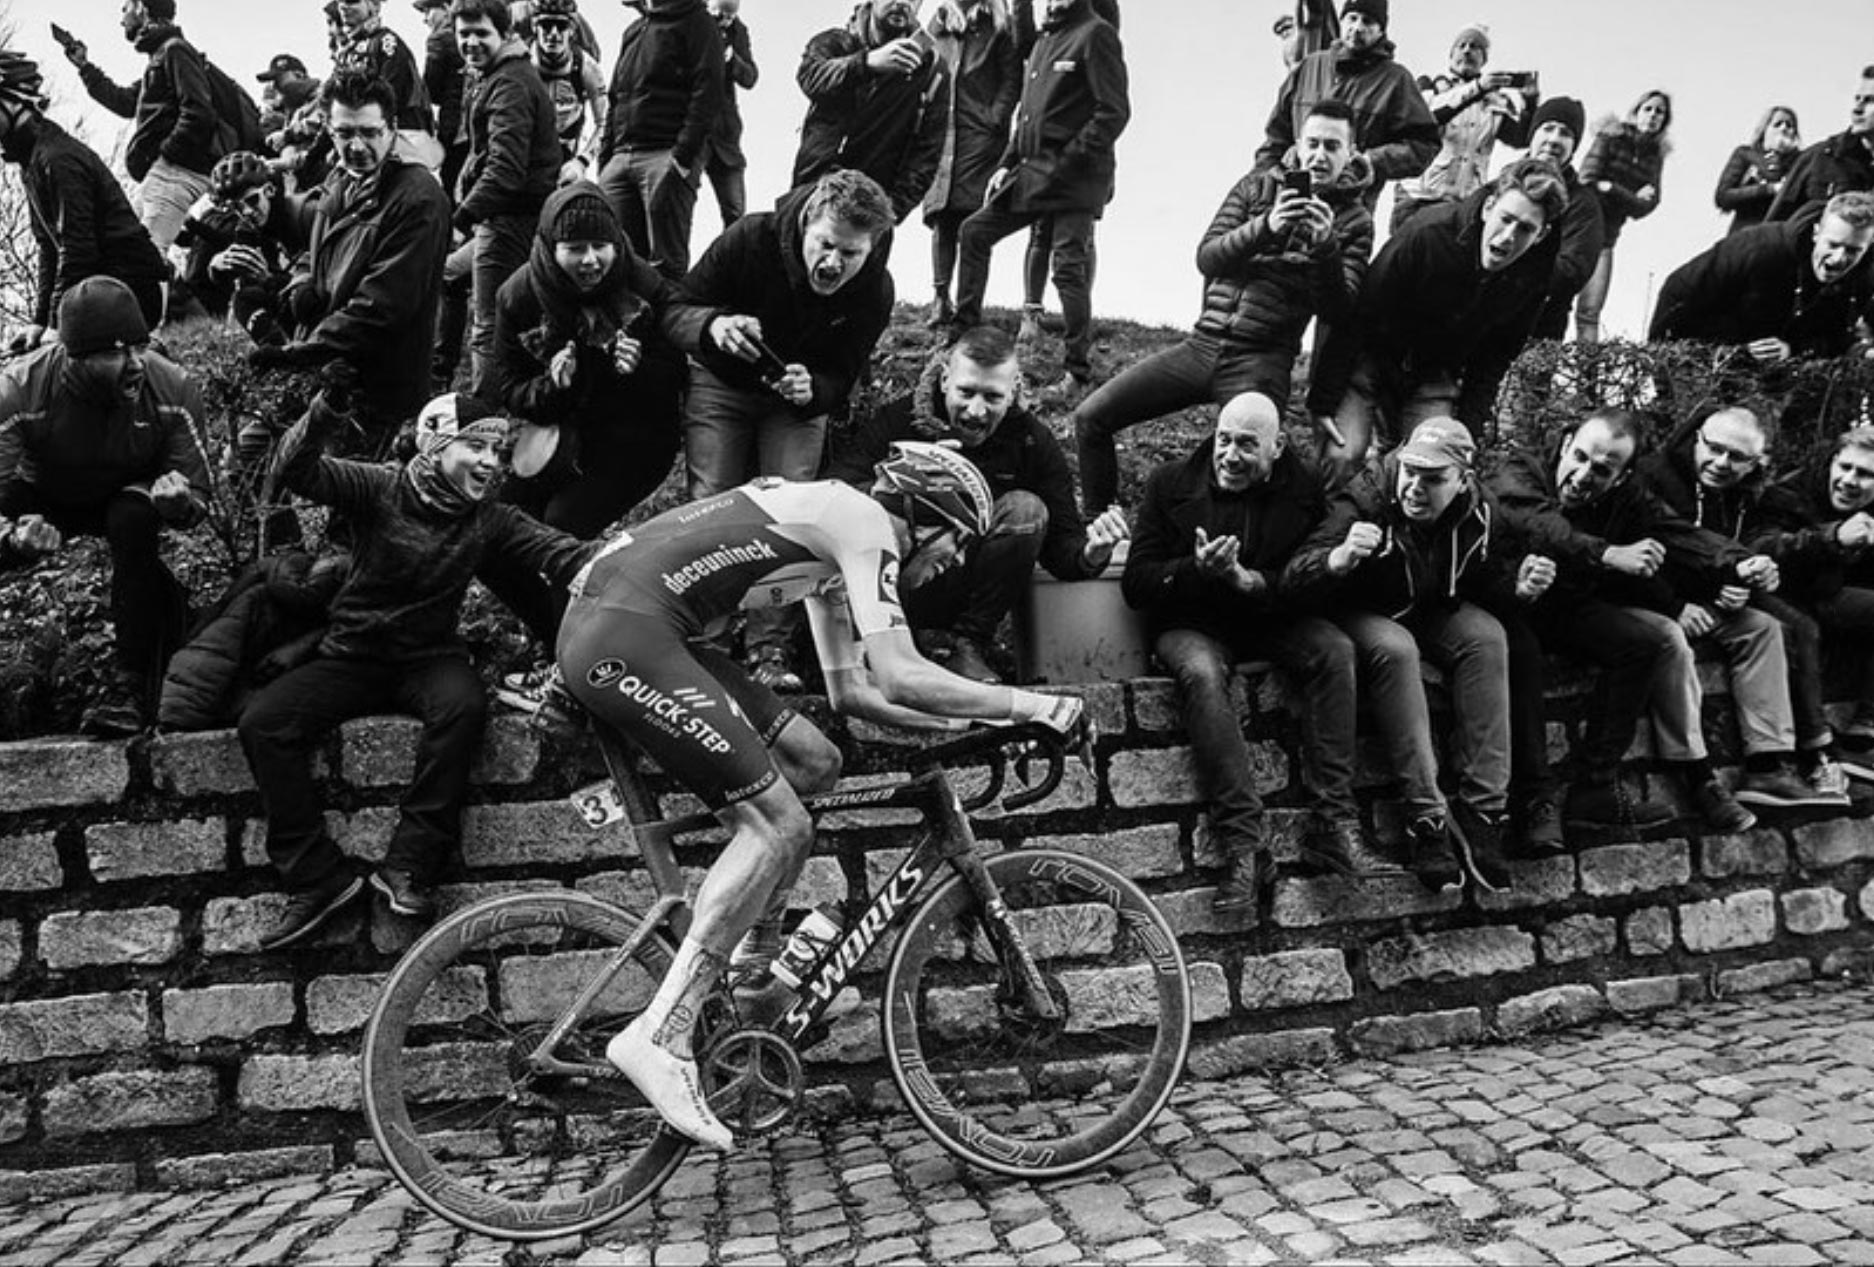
x: 1844, y: 163
x: 969, y: 396
x: 1474, y: 111
x: 876, y: 92
x: 175, y: 140
x: 727, y: 166
x: 1754, y: 174
x: 101, y: 437
x: 1623, y: 170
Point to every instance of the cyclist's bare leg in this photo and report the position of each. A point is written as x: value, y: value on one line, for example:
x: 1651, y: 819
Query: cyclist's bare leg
x: 806, y: 758
x: 771, y: 835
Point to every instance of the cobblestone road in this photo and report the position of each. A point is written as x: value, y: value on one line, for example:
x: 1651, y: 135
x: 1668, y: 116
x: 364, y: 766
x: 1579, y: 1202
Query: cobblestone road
x: 1735, y: 1132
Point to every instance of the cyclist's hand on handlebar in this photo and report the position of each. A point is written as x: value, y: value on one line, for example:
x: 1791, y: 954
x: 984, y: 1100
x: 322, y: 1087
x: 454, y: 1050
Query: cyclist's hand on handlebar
x: 1063, y: 714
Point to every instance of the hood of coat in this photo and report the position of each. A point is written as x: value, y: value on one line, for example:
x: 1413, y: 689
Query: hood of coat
x: 792, y: 232
x: 154, y: 35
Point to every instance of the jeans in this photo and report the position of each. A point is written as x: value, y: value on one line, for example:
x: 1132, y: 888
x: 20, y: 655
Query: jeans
x: 971, y: 598
x: 289, y: 717
x: 1646, y: 669
x: 655, y: 206
x: 501, y: 247
x: 1318, y: 659
x: 731, y: 189
x: 1202, y: 369
x: 164, y: 199
x: 1752, y: 642
x: 1073, y: 278
x: 1593, y: 298
x: 1467, y: 643
x: 1529, y: 681
x: 1364, y: 417
x: 452, y: 314
x: 1802, y: 647
x: 1848, y: 616
x: 945, y: 227
x: 730, y: 436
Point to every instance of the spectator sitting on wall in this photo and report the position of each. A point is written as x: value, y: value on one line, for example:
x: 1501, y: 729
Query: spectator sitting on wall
x: 970, y: 395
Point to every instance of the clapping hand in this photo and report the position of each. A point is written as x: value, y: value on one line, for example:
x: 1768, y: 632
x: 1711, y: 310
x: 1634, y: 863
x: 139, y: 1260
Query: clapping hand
x: 32, y: 537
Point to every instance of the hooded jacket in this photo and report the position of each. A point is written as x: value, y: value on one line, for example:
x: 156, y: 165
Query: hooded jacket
x: 1428, y: 309
x: 173, y: 106
x: 1020, y: 455
x: 514, y: 141
x: 1839, y: 165
x: 756, y: 267
x: 1759, y: 283
x: 1392, y: 125
x: 1261, y: 288
x: 891, y: 127
x: 81, y: 221
x: 667, y: 85
x: 1074, y: 105
x: 1270, y: 522
x: 1417, y: 568
x: 1797, y: 527
x: 1628, y: 160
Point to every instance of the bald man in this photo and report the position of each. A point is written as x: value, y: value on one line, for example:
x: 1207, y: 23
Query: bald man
x: 1215, y: 531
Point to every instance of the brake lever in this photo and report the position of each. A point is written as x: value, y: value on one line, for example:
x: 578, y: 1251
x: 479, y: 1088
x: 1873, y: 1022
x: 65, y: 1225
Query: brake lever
x: 1039, y: 790
x: 998, y: 775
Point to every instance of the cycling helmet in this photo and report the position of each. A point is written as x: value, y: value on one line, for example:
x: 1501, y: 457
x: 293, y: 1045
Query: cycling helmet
x: 20, y: 81
x: 237, y: 173
x: 934, y: 483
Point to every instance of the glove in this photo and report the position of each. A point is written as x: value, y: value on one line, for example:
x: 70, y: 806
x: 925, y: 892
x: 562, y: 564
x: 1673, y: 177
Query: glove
x: 338, y: 382
x: 284, y: 357
x: 304, y: 304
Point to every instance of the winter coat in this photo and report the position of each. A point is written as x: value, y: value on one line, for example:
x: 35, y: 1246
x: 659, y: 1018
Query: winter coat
x: 269, y: 621
x: 740, y: 71
x: 667, y: 87
x: 445, y: 75
x: 514, y: 142
x: 1841, y: 164
x: 1471, y: 123
x: 1020, y: 455
x: 1699, y: 562
x: 81, y: 221
x: 1747, y: 185
x: 375, y: 264
x: 1628, y: 160
x: 1427, y: 309
x: 985, y: 82
x: 1760, y: 284
x: 380, y: 53
x: 1577, y: 254
x: 1027, y: 29
x: 756, y: 268
x: 78, y: 452
x: 1392, y: 125
x: 891, y: 127
x: 172, y: 104
x: 1262, y: 288
x: 402, y: 600
x: 1418, y: 569
x: 1797, y: 528
x: 1270, y: 521
x: 1074, y: 105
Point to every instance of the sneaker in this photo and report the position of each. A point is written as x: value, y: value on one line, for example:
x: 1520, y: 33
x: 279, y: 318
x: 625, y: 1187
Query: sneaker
x: 1597, y: 805
x: 1720, y: 810
x: 308, y: 909
x: 406, y: 895
x: 1829, y: 779
x: 967, y: 660
x: 1066, y: 391
x: 1429, y: 854
x: 1338, y: 845
x: 1479, y: 839
x: 1251, y: 871
x: 524, y: 689
x: 1030, y: 331
x: 116, y: 713
x: 670, y: 1083
x: 1780, y: 789
x: 1538, y: 828
x: 771, y: 667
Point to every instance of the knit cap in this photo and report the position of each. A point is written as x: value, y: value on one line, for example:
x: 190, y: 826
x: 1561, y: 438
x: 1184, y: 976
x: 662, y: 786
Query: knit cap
x: 100, y: 313
x: 1476, y: 31
x: 585, y: 216
x: 454, y: 416
x: 1566, y: 111
x: 1375, y: 11
x: 160, y: 10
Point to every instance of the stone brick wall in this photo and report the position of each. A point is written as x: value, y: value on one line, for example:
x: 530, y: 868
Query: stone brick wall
x: 144, y: 1040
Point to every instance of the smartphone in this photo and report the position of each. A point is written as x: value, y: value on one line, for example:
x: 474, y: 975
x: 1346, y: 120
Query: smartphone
x: 65, y: 38
x: 1299, y: 181
x: 1522, y: 78
x: 771, y: 367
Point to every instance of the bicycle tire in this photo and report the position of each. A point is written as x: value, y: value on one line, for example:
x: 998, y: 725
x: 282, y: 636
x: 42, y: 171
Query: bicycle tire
x: 1001, y: 1091
x: 479, y: 1140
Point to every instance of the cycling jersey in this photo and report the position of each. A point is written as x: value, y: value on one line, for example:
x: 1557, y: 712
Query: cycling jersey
x: 628, y: 650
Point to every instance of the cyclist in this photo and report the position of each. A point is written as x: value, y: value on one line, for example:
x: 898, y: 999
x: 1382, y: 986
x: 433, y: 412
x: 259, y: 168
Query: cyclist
x: 631, y: 651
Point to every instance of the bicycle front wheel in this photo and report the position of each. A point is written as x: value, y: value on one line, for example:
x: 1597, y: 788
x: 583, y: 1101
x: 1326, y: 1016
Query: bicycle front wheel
x: 463, y: 1119
x: 1013, y: 1092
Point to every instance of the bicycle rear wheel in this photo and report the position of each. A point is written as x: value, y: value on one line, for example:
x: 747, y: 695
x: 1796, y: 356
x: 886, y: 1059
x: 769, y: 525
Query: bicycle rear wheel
x: 478, y: 1136
x: 1014, y: 1093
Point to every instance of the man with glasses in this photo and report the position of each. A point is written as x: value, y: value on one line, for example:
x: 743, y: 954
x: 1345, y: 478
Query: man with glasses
x: 241, y: 241
x: 575, y: 84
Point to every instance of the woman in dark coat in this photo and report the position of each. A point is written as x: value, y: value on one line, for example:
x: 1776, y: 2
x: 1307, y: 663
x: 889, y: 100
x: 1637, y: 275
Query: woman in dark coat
x: 977, y: 41
x: 1622, y: 168
x: 1754, y: 174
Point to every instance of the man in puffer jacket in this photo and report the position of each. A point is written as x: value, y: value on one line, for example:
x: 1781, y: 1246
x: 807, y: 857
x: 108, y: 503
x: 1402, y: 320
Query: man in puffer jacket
x: 1406, y: 561
x: 175, y: 142
x: 1273, y: 259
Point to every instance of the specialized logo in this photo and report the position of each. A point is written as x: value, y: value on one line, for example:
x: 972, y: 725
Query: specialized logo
x: 605, y: 672
x: 720, y: 559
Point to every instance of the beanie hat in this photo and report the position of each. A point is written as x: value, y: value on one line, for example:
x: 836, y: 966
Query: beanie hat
x: 1374, y: 11
x: 1477, y: 31
x: 454, y: 415
x: 99, y: 314
x: 1566, y: 111
x: 585, y: 216
x: 160, y: 10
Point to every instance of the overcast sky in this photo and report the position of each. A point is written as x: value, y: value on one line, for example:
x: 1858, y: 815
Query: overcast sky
x: 1204, y: 73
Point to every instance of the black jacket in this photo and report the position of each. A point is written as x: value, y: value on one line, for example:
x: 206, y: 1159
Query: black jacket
x: 81, y: 221
x: 1270, y: 521
x: 445, y: 77
x: 756, y: 268
x: 514, y: 141
x: 985, y: 81
x: 1747, y: 185
x: 667, y: 86
x: 1392, y: 125
x: 172, y: 105
x: 1428, y: 309
x: 1020, y: 455
x: 1579, y: 251
x: 1797, y: 528
x: 1758, y: 283
x: 1075, y: 102
x: 891, y: 127
x: 739, y: 72
x: 1842, y: 163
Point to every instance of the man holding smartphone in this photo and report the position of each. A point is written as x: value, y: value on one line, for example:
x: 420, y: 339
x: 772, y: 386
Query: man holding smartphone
x: 1474, y: 110
x: 1287, y: 246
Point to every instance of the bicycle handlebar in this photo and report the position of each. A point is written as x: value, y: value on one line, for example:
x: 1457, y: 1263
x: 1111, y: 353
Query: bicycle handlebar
x: 994, y: 742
